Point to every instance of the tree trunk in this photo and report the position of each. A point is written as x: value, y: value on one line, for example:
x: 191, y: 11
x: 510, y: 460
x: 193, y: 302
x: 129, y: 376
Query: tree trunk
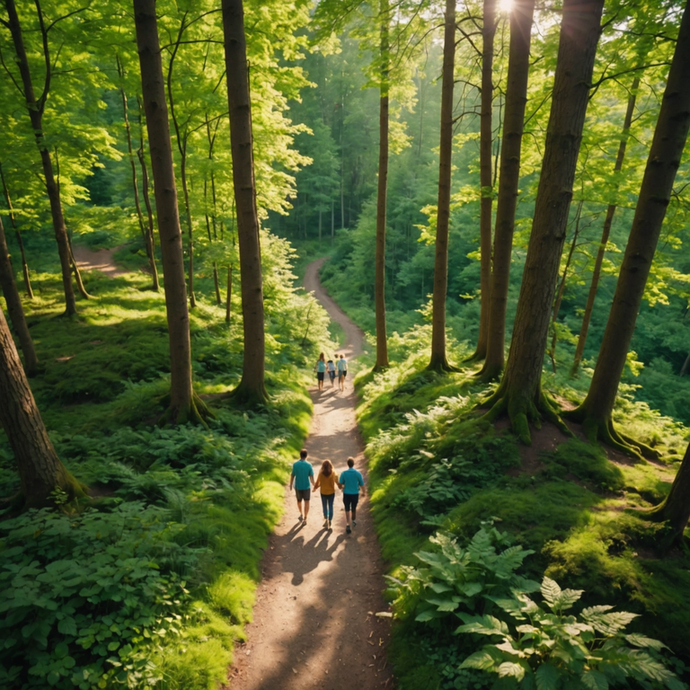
x: 40, y: 469
x: 150, y: 237
x: 664, y: 158
x: 145, y: 231
x: 35, y: 109
x: 439, y: 361
x: 77, y: 272
x: 183, y: 405
x: 252, y: 388
x: 228, y: 299
x: 513, y: 126
x: 561, y: 288
x: 519, y: 393
x: 675, y: 509
x: 18, y: 235
x: 684, y: 368
x: 610, y: 211
x: 14, y: 307
x: 485, y: 177
x: 380, y: 260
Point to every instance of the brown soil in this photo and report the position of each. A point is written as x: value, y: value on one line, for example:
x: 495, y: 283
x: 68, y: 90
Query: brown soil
x: 100, y: 260
x: 315, y: 622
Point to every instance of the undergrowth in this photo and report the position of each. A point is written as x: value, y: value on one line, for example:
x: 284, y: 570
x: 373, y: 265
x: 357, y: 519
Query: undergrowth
x: 152, y: 584
x: 436, y: 465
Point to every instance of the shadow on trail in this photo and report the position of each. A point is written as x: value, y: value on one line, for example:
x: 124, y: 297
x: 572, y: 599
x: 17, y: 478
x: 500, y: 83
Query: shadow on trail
x: 328, y: 625
x: 305, y: 556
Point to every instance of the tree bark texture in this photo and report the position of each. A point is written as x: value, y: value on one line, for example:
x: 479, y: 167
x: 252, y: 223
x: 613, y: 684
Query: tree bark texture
x: 675, y: 509
x: 146, y: 230
x: 439, y: 359
x: 36, y: 108
x: 182, y: 405
x: 485, y: 177
x: 519, y: 393
x: 40, y: 469
x: 670, y: 136
x: 382, y: 193
x: 151, y: 241
x: 14, y: 306
x: 511, y: 147
x: 18, y: 235
x: 606, y: 231
x: 251, y: 388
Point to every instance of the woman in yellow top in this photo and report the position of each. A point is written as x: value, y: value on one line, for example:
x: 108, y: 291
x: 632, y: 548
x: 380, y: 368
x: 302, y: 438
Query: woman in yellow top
x: 327, y: 481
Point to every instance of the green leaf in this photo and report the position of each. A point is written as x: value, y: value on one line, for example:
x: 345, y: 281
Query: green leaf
x: 511, y: 670
x: 550, y: 590
x: 482, y: 625
x: 547, y: 677
x: 482, y: 660
x: 638, y: 640
x: 594, y: 680
x: 67, y: 626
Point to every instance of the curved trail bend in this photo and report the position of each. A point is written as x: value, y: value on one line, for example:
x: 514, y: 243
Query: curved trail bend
x: 314, y: 621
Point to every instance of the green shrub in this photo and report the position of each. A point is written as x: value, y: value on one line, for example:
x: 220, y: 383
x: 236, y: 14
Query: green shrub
x: 549, y: 650
x: 84, y: 596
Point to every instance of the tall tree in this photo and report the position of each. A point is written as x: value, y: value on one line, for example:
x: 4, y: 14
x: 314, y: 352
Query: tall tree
x: 252, y: 388
x: 439, y: 361
x: 519, y: 393
x: 675, y: 508
x: 14, y: 306
x: 382, y: 189
x: 40, y: 469
x: 606, y: 231
x: 18, y: 235
x: 670, y: 136
x: 36, y: 109
x: 183, y: 404
x: 511, y: 148
x: 485, y: 167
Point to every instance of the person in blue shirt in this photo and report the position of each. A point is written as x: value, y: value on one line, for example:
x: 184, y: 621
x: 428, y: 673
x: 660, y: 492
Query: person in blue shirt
x: 302, y: 478
x: 320, y: 369
x: 350, y: 482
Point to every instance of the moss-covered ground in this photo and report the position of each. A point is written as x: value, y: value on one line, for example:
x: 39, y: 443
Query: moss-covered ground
x: 155, y: 578
x: 435, y: 464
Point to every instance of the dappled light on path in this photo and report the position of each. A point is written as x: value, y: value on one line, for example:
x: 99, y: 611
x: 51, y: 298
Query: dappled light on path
x: 315, y: 622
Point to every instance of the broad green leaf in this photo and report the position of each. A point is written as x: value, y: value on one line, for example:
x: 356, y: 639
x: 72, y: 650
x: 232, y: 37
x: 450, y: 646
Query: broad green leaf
x: 481, y: 660
x: 547, y: 677
x: 512, y: 670
x: 594, y: 680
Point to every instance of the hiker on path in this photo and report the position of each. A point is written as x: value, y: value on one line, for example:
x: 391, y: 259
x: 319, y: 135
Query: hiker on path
x: 327, y: 481
x: 320, y: 370
x: 350, y: 482
x: 330, y: 366
x: 342, y: 372
x: 303, y: 479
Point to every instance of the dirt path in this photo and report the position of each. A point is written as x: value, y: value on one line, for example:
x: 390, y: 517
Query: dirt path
x: 314, y: 621
x: 100, y: 260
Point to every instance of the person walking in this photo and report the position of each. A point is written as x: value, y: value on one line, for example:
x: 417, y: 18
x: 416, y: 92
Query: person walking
x: 330, y: 366
x: 327, y: 481
x: 342, y: 372
x: 350, y: 482
x: 320, y: 370
x: 302, y: 478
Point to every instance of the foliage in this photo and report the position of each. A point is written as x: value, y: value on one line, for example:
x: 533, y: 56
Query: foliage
x: 452, y: 578
x: 541, y: 648
x: 87, y: 597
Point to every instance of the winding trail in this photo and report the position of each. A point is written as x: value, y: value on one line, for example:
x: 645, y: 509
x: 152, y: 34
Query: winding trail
x: 315, y: 622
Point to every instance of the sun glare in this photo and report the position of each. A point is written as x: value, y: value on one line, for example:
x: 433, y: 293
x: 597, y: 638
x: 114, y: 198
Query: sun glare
x: 505, y: 5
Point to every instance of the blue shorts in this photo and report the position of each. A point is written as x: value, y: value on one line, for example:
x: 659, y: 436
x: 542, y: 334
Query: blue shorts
x: 320, y: 375
x: 350, y: 501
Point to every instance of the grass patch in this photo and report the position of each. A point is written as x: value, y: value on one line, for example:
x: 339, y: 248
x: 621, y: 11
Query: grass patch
x: 198, y: 503
x: 437, y: 467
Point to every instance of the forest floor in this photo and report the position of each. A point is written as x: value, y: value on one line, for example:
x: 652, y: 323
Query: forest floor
x: 100, y: 260
x: 315, y: 622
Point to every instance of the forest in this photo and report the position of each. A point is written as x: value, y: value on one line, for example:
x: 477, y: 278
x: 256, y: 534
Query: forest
x: 499, y: 189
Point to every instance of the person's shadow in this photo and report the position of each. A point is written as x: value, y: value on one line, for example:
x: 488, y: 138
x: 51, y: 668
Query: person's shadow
x: 304, y: 556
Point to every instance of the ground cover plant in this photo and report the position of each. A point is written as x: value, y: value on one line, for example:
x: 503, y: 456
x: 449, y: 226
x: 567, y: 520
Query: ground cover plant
x: 151, y: 583
x: 565, y: 512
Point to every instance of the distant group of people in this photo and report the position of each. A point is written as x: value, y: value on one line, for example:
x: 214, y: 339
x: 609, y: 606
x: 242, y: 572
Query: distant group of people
x: 349, y: 482
x: 339, y: 366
